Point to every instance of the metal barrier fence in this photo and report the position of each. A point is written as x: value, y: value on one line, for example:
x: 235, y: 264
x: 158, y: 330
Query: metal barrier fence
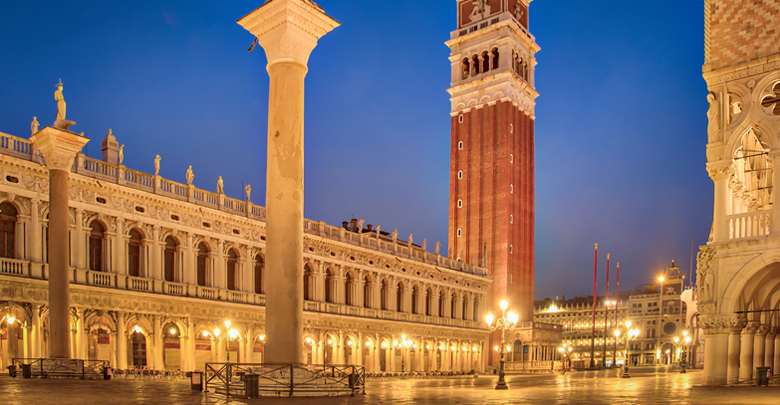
x: 63, y: 368
x: 235, y: 379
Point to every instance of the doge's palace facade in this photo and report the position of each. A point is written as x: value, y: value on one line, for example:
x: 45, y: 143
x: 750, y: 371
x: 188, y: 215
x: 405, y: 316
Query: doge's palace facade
x: 739, y: 269
x: 157, y: 267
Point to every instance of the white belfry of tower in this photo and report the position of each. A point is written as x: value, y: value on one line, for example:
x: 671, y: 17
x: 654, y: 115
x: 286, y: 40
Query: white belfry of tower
x: 288, y: 31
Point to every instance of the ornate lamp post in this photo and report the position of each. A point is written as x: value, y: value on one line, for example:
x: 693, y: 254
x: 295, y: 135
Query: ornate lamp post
x: 404, y: 345
x: 565, y: 352
x: 630, y: 334
x: 231, y: 335
x: 681, y: 345
x: 505, y: 322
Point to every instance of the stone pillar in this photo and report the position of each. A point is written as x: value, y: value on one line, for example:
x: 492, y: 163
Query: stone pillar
x: 716, y: 335
x: 746, y: 352
x: 81, y: 336
x: 34, y: 242
x: 775, y: 228
x: 776, y: 362
x: 37, y: 349
x: 121, y: 341
x: 288, y: 30
x: 157, y: 341
x: 732, y: 374
x: 719, y: 173
x: 79, y: 249
x: 759, y: 342
x: 59, y: 148
x: 769, y: 348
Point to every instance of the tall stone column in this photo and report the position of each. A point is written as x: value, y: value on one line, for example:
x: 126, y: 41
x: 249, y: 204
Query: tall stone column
x: 732, y: 375
x: 746, y: 352
x: 776, y: 361
x: 288, y: 30
x: 759, y: 342
x: 716, y: 334
x: 719, y: 172
x: 121, y: 341
x: 59, y: 148
x: 769, y: 349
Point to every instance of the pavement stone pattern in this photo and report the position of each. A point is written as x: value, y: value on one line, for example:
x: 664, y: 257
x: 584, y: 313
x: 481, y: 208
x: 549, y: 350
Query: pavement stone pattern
x: 647, y: 386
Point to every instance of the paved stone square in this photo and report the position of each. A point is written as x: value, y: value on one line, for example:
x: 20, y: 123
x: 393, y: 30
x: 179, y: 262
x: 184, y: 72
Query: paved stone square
x: 647, y: 386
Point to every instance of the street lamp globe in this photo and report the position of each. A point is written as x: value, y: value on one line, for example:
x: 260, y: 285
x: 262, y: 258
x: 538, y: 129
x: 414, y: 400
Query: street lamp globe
x: 504, y: 305
x: 489, y: 319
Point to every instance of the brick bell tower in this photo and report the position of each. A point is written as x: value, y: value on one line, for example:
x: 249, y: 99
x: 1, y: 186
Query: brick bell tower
x: 492, y: 152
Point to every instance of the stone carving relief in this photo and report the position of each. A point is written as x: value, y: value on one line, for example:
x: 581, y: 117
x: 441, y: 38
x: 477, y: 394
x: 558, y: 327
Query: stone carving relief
x: 705, y: 280
x: 713, y: 117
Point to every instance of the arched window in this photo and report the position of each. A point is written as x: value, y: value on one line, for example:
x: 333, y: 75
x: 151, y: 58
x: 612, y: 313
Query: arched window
x: 169, y: 259
x: 399, y: 297
x: 476, y: 309
x: 259, y: 288
x: 134, y: 253
x: 329, y: 286
x: 442, y: 302
x: 8, y: 230
x: 385, y: 296
x: 474, y: 65
x: 465, y: 312
x: 466, y: 68
x: 231, y: 269
x: 494, y: 55
x: 415, y: 293
x: 96, y: 246
x: 485, y: 62
x: 367, y: 292
x: 203, y: 259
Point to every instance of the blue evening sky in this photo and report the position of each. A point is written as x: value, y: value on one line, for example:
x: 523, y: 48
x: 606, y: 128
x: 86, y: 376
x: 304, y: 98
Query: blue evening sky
x: 620, y: 129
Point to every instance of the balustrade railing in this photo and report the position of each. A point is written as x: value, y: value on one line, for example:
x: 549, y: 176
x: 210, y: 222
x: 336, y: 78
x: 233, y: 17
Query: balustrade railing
x: 139, y: 284
x: 13, y: 267
x: 750, y: 224
x: 208, y: 293
x: 175, y: 288
x: 100, y: 279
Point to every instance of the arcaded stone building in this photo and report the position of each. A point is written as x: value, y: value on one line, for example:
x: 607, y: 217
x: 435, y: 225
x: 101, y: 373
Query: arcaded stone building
x: 737, y: 270
x: 158, y: 266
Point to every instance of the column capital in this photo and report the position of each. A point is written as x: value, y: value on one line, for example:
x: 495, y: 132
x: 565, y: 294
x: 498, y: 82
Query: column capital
x: 717, y: 324
x: 288, y: 30
x: 720, y: 170
x: 59, y: 147
x: 751, y: 328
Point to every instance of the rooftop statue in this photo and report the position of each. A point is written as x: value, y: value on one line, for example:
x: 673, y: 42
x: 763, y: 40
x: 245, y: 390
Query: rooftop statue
x: 190, y: 176
x: 61, y: 122
x: 220, y: 186
x: 157, y: 165
x: 34, y: 125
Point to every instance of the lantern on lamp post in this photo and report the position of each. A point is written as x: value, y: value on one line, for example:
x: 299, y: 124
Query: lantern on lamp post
x: 505, y: 322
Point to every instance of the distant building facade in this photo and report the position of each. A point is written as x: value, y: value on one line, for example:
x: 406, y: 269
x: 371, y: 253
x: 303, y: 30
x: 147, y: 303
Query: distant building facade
x: 659, y: 318
x: 158, y: 266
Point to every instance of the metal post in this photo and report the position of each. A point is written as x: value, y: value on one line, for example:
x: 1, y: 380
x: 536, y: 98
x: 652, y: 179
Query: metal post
x: 292, y: 381
x: 617, y: 300
x: 606, y: 317
x: 593, y: 326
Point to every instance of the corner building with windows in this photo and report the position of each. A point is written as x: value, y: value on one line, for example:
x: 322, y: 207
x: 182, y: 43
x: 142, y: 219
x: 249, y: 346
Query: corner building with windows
x: 492, y: 154
x: 737, y: 273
